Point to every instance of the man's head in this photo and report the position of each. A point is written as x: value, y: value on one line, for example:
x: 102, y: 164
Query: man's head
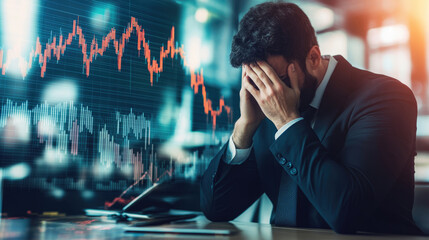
x: 279, y: 33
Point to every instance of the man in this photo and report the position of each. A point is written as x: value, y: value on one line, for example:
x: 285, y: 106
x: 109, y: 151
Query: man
x: 331, y: 145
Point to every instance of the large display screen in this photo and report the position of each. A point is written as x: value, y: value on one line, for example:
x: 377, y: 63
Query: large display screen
x: 99, y: 101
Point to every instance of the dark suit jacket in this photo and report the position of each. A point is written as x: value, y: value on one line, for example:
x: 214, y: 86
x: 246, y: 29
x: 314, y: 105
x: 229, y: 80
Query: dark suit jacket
x: 355, y: 168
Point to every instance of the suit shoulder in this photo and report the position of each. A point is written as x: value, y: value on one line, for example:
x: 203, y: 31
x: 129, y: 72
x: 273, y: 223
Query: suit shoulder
x: 378, y: 94
x: 375, y: 85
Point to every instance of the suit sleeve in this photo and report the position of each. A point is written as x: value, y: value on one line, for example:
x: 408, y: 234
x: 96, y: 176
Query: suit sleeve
x: 346, y: 188
x: 227, y: 190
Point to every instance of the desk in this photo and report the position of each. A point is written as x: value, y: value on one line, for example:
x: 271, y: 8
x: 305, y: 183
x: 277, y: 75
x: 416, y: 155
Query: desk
x: 81, y: 227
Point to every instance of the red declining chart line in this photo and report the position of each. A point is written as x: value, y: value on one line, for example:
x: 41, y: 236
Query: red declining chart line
x: 56, y: 48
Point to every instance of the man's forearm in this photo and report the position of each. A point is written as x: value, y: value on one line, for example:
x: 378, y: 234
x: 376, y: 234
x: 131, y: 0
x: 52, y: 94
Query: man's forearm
x: 227, y: 190
x: 243, y: 133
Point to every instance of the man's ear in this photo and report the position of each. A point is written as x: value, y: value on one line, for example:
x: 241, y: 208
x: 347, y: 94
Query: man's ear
x: 314, y: 59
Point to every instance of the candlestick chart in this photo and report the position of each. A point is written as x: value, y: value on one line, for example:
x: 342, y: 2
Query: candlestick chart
x: 131, y: 100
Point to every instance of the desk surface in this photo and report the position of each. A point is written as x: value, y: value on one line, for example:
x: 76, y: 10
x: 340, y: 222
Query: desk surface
x: 103, y: 228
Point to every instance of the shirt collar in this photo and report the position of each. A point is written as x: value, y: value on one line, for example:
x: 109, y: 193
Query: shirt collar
x: 322, y: 86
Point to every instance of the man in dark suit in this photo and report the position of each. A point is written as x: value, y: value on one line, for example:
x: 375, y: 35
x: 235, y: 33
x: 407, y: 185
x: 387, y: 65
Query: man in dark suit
x: 330, y: 145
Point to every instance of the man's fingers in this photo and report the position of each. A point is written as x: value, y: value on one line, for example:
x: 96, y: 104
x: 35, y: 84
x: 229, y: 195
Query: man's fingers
x: 243, y: 74
x: 250, y: 88
x: 254, y: 77
x: 293, y: 76
x: 261, y: 74
x: 269, y: 71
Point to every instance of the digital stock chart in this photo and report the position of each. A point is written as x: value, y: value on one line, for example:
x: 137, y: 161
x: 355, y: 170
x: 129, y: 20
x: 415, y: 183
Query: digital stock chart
x: 101, y: 100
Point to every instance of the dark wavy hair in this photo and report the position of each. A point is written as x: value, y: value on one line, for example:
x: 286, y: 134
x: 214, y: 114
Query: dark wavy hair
x: 273, y: 28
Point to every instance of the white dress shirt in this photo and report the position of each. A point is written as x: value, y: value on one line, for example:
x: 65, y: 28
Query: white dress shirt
x: 236, y: 156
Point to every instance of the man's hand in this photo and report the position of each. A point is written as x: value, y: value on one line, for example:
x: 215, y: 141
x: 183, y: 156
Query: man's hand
x: 277, y: 101
x: 251, y: 117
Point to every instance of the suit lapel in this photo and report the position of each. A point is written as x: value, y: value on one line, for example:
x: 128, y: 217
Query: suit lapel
x: 334, y: 98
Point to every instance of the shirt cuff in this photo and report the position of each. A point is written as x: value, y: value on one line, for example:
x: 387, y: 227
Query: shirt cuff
x: 286, y: 126
x: 236, y: 156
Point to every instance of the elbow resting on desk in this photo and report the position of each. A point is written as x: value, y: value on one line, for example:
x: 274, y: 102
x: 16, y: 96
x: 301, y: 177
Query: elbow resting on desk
x: 354, y: 205
x: 213, y: 211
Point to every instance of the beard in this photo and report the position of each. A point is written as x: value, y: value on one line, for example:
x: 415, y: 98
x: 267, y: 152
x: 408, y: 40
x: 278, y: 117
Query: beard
x: 308, y: 90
